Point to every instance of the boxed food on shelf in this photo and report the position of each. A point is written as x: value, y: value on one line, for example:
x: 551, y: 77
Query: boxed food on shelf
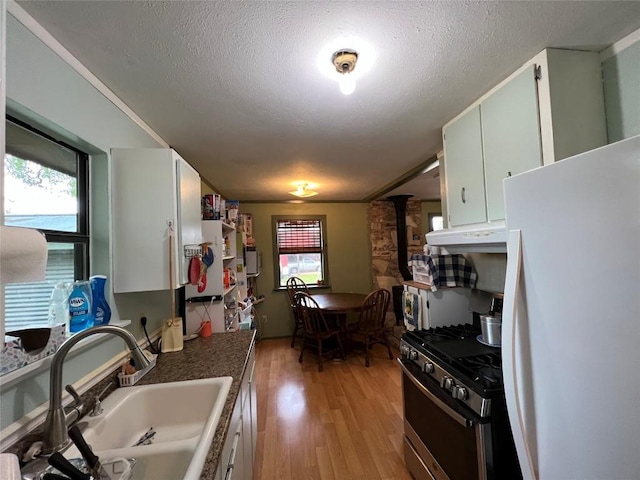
x: 245, y: 221
x: 211, y: 205
x: 233, y: 206
x: 207, y: 207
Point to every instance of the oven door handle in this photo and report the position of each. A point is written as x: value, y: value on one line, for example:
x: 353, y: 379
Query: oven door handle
x: 465, y: 422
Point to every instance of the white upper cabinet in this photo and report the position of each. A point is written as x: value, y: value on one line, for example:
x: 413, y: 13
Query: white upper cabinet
x: 510, y: 136
x: 150, y: 189
x: 464, y: 169
x: 549, y: 109
x: 189, y: 212
x: 572, y: 116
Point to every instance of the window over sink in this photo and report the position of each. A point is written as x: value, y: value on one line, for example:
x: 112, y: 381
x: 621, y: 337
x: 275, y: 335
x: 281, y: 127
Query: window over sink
x: 46, y: 187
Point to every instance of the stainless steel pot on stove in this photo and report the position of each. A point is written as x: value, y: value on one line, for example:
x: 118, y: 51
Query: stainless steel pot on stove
x: 491, y: 327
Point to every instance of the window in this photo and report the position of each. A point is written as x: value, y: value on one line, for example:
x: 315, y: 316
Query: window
x: 45, y: 185
x: 436, y: 222
x: 300, y: 249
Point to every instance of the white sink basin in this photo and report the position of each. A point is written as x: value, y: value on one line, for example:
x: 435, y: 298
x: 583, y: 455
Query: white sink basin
x: 159, y: 465
x: 183, y: 415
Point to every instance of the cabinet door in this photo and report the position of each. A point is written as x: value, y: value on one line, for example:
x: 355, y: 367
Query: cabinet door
x: 464, y: 170
x: 143, y: 201
x: 189, y: 198
x: 510, y: 136
x: 232, y: 449
x: 239, y: 458
x: 253, y: 405
x: 246, y: 436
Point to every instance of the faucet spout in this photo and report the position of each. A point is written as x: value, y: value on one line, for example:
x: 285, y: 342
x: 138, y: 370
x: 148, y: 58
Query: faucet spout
x: 55, y: 430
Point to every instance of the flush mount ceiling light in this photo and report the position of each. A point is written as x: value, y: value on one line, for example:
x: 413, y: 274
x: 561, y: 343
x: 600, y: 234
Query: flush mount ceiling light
x: 345, y: 62
x: 303, y: 192
x: 366, y: 55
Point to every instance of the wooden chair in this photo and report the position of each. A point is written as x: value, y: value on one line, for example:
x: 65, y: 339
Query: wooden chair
x: 371, y: 328
x: 316, y: 327
x: 294, y: 285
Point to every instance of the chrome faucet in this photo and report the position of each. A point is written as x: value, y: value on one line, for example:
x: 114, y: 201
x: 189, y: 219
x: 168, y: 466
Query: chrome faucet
x: 55, y: 426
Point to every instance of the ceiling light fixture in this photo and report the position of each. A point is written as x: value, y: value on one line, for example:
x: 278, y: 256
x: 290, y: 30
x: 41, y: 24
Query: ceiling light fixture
x: 345, y: 61
x: 302, y: 191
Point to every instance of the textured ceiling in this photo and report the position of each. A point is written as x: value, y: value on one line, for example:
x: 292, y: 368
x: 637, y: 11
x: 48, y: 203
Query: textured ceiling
x: 235, y: 87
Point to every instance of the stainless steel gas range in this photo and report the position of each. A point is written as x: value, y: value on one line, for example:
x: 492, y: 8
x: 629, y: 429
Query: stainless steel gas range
x: 455, y: 419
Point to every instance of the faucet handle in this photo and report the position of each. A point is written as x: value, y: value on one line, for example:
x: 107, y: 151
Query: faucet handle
x: 74, y: 394
x: 74, y: 411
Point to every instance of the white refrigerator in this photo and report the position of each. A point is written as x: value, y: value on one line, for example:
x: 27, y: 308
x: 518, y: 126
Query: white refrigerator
x: 571, y: 316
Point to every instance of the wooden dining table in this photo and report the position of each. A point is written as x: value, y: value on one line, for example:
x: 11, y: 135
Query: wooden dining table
x: 339, y: 303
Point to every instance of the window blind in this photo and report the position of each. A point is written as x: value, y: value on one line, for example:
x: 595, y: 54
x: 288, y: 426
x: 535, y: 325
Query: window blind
x: 27, y: 304
x: 299, y: 236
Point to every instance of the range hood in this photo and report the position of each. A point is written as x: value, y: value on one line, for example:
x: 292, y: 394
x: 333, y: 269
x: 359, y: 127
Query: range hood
x: 476, y: 238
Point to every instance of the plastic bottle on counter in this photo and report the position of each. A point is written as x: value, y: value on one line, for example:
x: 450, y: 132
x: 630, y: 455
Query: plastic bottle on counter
x: 59, y: 306
x: 101, y: 311
x: 80, y: 313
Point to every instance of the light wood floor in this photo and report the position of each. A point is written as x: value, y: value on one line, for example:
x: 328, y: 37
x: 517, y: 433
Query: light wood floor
x: 344, y: 423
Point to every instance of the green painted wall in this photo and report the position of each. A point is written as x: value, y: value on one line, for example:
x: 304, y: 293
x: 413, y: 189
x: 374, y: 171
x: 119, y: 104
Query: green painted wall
x: 348, y: 247
x: 427, y: 209
x: 621, y: 76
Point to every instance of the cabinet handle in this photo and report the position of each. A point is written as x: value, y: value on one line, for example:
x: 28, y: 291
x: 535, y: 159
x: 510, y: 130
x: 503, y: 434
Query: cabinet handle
x: 463, y: 195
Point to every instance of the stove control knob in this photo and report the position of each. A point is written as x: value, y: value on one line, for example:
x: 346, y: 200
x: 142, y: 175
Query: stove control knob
x: 460, y: 393
x: 413, y: 355
x: 428, y: 367
x: 447, y: 383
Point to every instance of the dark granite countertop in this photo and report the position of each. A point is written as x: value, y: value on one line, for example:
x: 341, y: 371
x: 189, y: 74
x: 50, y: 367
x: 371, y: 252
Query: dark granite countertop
x: 220, y: 355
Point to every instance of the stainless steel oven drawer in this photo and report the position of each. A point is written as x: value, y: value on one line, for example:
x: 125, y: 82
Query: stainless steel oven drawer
x: 414, y: 464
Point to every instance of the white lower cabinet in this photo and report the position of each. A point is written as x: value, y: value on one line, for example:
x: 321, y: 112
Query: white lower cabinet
x: 238, y: 452
x: 253, y: 396
x: 231, y: 460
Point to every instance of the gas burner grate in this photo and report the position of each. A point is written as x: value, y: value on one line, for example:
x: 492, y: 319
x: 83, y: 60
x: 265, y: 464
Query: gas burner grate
x: 438, y: 334
x: 492, y: 360
x: 487, y: 368
x: 458, y: 350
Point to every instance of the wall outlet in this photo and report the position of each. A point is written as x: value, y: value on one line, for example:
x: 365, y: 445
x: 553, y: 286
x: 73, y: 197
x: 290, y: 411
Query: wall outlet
x: 264, y: 319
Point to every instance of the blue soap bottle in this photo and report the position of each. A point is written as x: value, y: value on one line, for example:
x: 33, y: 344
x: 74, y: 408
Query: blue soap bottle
x: 101, y: 310
x: 80, y: 314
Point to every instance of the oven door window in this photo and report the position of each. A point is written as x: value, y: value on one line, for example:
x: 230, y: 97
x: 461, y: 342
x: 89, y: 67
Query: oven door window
x: 453, y: 444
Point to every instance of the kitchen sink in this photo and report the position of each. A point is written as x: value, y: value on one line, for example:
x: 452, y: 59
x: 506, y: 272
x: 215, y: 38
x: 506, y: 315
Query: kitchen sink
x: 178, y: 418
x: 172, y: 465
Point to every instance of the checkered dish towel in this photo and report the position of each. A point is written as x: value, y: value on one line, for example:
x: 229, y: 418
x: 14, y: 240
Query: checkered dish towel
x: 446, y: 270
